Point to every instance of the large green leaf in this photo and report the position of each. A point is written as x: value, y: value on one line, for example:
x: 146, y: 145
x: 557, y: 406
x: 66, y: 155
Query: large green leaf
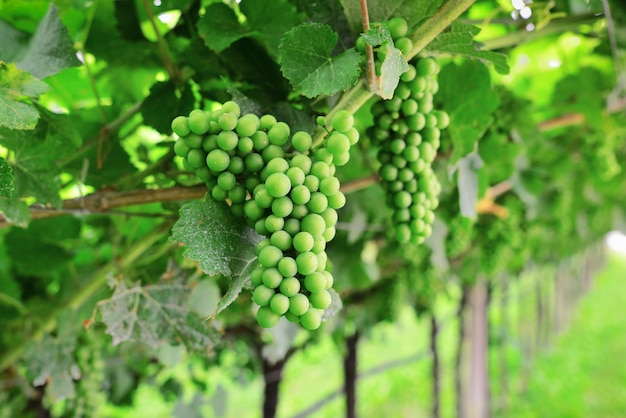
x: 50, y: 50
x: 466, y: 94
x: 307, y: 62
x: 219, y: 242
x: 459, y: 40
x: 16, y: 87
x: 155, y: 315
x: 7, y: 182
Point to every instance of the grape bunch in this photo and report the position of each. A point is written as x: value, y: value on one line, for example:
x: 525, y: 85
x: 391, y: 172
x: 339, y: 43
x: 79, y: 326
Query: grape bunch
x: 284, y: 189
x: 407, y: 131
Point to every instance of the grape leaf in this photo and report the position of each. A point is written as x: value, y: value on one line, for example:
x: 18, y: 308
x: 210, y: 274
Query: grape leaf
x: 12, y: 42
x: 219, y: 242
x: 7, y: 182
x: 460, y: 41
x: 270, y: 20
x: 414, y: 11
x: 470, y: 107
x: 265, y: 21
x: 50, y: 50
x: 34, y: 169
x: 50, y: 361
x: 15, y: 87
x: 393, y: 66
x: 164, y: 104
x: 335, y: 305
x: 156, y: 315
x: 378, y: 35
x: 307, y: 63
x: 468, y: 168
x: 15, y: 211
x: 219, y: 27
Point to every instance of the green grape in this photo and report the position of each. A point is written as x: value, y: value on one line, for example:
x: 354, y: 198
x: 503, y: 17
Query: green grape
x: 313, y: 224
x: 311, y: 319
x: 288, y: 267
x: 226, y: 180
x: 219, y: 194
x: 279, y: 304
x: 227, y: 140
x: 289, y: 286
x: 218, y: 160
x: 282, y: 207
x: 196, y: 158
x: 266, y: 317
x: 338, y: 143
x: 427, y: 67
x: 315, y: 282
x: 322, y: 154
x: 271, y: 277
x: 270, y: 256
x: 272, y: 151
x: 283, y: 241
x: 303, y: 241
x: 231, y: 107
x: 180, y: 126
x: 329, y: 186
x: 342, y: 121
x: 278, y: 184
x: 321, y: 299
x: 277, y: 165
x: 398, y: 27
x: 267, y: 121
x: 296, y: 176
x: 181, y: 148
x: 227, y: 121
x: 247, y: 125
x: 262, y: 295
x: 245, y: 145
x: 254, y: 163
x: 404, y: 45
x: 307, y: 263
x: 260, y: 140
x: 263, y: 198
x: 292, y: 226
x: 194, y: 141
x: 279, y: 133
x: 299, y: 211
x: 273, y: 223
x: 312, y: 182
x: 300, y: 195
x: 298, y: 304
x: 337, y: 201
x: 199, y: 122
x: 318, y: 202
x: 302, y: 162
x: 301, y: 141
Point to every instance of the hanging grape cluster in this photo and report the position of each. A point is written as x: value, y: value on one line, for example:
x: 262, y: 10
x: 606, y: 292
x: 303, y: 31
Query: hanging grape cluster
x: 284, y: 189
x: 407, y: 130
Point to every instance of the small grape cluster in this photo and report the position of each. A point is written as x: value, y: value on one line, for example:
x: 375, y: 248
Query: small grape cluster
x: 284, y: 189
x: 89, y: 394
x: 407, y: 130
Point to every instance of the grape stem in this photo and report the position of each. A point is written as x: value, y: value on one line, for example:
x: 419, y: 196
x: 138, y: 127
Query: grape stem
x: 372, y: 79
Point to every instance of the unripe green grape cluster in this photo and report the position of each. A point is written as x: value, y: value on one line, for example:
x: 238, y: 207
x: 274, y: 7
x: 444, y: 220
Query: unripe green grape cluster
x: 284, y: 190
x: 89, y: 397
x: 407, y: 129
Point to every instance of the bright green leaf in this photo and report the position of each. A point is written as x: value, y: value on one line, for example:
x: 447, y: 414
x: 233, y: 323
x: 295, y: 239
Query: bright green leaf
x: 393, y: 66
x: 15, y: 87
x: 155, y: 315
x: 219, y: 27
x: 378, y: 35
x: 306, y: 61
x: 50, y: 49
x: 460, y: 41
x: 470, y: 107
x: 270, y: 20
